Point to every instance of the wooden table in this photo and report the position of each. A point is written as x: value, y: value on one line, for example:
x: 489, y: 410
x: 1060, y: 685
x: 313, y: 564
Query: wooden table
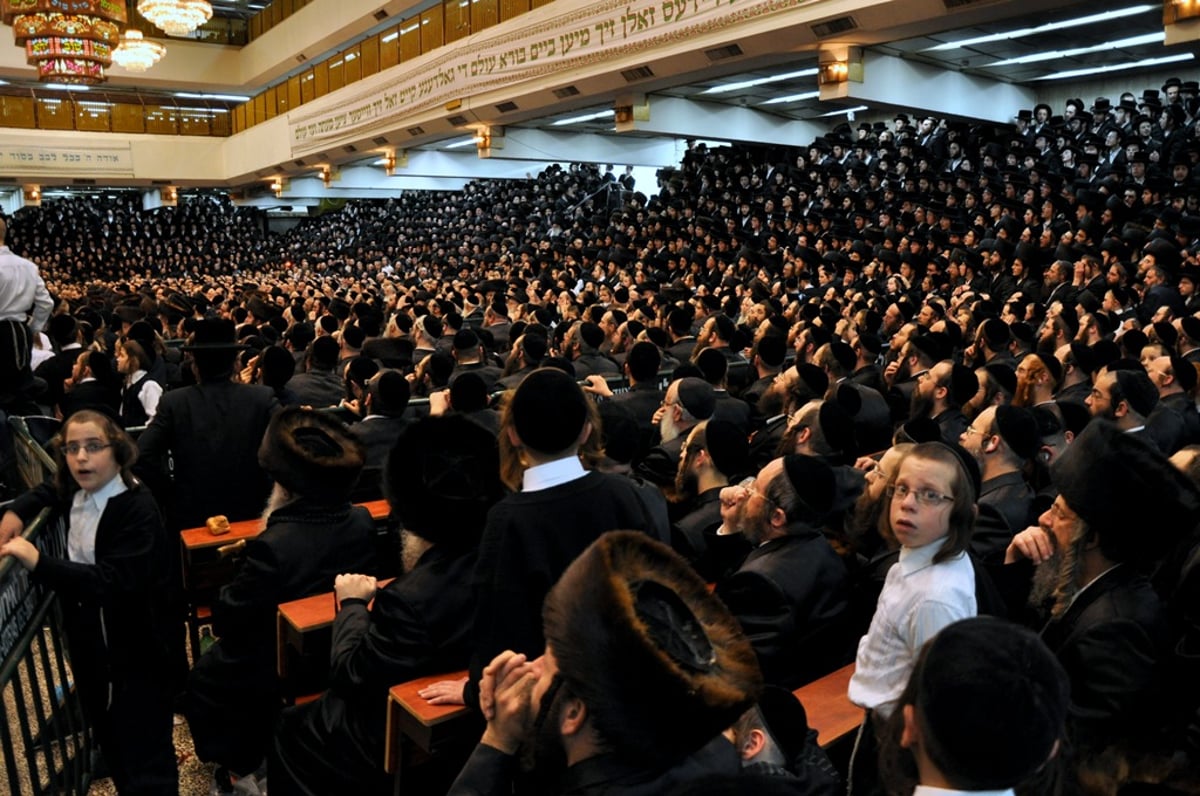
x: 413, y: 721
x: 304, y: 626
x: 830, y: 711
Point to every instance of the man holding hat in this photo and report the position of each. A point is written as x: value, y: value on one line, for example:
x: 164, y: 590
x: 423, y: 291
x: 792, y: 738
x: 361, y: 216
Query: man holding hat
x: 312, y: 533
x: 791, y: 594
x: 984, y: 710
x: 642, y: 670
x: 442, y: 478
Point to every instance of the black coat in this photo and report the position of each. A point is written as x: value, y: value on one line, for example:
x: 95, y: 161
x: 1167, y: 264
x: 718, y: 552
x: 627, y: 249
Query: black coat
x: 233, y: 690
x: 1113, y: 643
x: 642, y: 401
x: 791, y: 596
x: 212, y: 433
x: 117, y: 633
x: 419, y: 625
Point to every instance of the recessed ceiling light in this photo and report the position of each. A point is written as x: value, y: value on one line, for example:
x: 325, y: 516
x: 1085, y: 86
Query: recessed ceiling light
x: 855, y: 109
x: 464, y: 142
x: 225, y: 97
x: 1090, y: 19
x: 761, y: 81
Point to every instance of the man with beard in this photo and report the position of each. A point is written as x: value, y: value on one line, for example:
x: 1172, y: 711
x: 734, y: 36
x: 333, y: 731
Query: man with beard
x: 312, y: 532
x: 1038, y: 376
x: 791, y: 594
x: 1107, y: 625
x: 1175, y: 379
x: 686, y: 403
x: 442, y: 479
x: 918, y: 355
x: 715, y: 451
x: 641, y: 672
x: 1078, y: 362
x: 794, y: 387
x: 939, y: 395
x: 1125, y: 398
x: 1002, y: 439
x: 822, y: 429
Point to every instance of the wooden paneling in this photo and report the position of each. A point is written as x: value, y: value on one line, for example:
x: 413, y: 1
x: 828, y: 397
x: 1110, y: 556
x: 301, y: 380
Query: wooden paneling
x: 320, y: 80
x: 308, y: 85
x: 162, y: 119
x: 336, y: 70
x: 128, y: 118
x: 370, y: 56
x: 194, y: 122
x: 458, y: 19
x: 293, y: 91
x: 239, y: 118
x: 260, y: 108
x: 512, y: 8
x: 352, y: 65
x: 410, y: 39
x: 93, y: 116
x: 18, y: 112
x: 270, y: 105
x: 431, y: 29
x: 484, y: 14
x: 219, y: 124
x: 55, y: 114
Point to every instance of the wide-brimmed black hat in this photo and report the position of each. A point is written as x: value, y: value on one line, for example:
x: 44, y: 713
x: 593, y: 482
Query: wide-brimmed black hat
x: 214, y: 334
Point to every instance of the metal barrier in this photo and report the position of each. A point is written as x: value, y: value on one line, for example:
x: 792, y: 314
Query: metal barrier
x: 46, y: 746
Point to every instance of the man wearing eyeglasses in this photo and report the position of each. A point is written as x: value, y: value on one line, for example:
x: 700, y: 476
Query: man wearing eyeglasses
x: 791, y: 594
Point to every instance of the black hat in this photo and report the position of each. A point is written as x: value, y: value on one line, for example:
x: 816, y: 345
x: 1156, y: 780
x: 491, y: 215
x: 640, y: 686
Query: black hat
x: 1139, y: 391
x: 443, y: 475
x: 977, y: 680
x: 214, y: 334
x: 963, y: 384
x: 814, y: 380
x: 786, y: 720
x: 1130, y: 496
x: 697, y: 397
x: 727, y: 446
x: 620, y: 429
x: 311, y: 454
x: 660, y: 663
x: 143, y: 334
x: 1004, y: 375
x: 465, y: 340
x: 1018, y: 428
x: 549, y: 411
x: 814, y: 483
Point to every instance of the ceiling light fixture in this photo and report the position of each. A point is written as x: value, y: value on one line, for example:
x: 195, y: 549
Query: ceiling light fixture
x: 808, y: 95
x: 223, y: 97
x: 1119, y: 44
x: 136, y: 53
x: 73, y: 47
x: 760, y: 81
x: 840, y: 111
x: 587, y: 117
x: 458, y: 144
x: 1090, y: 19
x: 1101, y: 70
x: 176, y: 17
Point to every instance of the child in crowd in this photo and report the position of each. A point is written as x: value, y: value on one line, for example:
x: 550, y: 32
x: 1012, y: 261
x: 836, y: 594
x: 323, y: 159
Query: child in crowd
x: 110, y: 588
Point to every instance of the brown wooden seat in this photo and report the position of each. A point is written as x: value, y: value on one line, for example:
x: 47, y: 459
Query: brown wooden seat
x: 830, y: 711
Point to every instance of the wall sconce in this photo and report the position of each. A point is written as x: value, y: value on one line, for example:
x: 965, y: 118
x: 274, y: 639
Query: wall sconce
x: 326, y: 175
x: 487, y: 139
x: 483, y: 138
x: 1177, y: 10
x: 277, y: 187
x: 389, y: 163
x: 33, y: 194
x: 170, y: 195
x: 840, y: 65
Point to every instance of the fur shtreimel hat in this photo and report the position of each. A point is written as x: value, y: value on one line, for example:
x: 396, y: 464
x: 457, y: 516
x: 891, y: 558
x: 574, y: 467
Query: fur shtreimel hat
x: 661, y: 664
x: 1130, y: 496
x: 311, y: 455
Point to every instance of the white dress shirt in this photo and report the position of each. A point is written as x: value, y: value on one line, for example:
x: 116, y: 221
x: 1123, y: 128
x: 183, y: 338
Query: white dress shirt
x: 929, y: 790
x: 919, y: 598
x: 559, y: 471
x: 86, y: 510
x: 149, y: 395
x: 22, y: 291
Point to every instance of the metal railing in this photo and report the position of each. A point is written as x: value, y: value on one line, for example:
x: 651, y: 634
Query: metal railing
x: 46, y: 746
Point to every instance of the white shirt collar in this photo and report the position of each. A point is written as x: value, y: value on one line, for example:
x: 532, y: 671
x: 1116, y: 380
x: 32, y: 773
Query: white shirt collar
x: 102, y: 495
x: 929, y: 790
x: 559, y: 471
x: 913, y: 559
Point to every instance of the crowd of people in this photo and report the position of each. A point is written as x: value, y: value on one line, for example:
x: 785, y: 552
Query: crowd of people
x: 874, y: 391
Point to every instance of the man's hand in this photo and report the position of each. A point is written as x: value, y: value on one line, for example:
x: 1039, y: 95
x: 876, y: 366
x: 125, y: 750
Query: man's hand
x: 732, y: 498
x: 507, y: 686
x: 354, y: 587
x: 22, y: 550
x: 1032, y: 543
x: 444, y: 692
x: 11, y: 526
x: 596, y: 385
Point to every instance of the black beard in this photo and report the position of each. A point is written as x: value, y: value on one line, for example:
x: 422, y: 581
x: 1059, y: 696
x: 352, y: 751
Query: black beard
x: 543, y: 759
x: 921, y: 406
x: 687, y: 486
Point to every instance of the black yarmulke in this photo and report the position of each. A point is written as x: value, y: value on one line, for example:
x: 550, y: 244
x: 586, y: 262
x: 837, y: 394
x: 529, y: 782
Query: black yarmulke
x: 549, y: 410
x: 1018, y: 428
x: 727, y: 446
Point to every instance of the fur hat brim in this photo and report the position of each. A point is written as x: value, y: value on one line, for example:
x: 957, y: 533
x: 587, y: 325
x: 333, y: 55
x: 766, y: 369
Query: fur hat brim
x: 311, y: 454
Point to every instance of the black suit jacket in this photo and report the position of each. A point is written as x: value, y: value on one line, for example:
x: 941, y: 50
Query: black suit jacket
x: 212, y: 433
x: 55, y: 371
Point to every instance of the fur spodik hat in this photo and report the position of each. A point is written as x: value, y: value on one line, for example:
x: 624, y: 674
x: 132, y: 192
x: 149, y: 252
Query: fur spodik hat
x: 661, y: 664
x: 311, y: 455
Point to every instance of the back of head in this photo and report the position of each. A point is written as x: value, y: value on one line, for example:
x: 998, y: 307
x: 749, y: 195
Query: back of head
x: 277, y: 366
x: 549, y: 411
x: 990, y: 701
x: 323, y: 354
x: 390, y: 393
x: 643, y: 360
x: 713, y: 365
x: 442, y: 477
x: 468, y: 393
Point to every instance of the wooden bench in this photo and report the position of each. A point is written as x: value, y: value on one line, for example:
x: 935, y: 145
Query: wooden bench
x: 830, y: 711
x: 414, y: 723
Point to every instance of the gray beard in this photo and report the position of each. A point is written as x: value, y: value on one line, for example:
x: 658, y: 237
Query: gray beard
x: 1045, y: 581
x: 412, y: 547
x: 278, y: 497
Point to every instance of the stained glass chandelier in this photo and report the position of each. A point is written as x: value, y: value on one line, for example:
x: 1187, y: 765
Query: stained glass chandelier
x: 71, y: 47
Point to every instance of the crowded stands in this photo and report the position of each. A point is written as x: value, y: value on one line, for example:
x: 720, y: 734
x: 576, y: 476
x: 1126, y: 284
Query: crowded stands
x: 842, y: 399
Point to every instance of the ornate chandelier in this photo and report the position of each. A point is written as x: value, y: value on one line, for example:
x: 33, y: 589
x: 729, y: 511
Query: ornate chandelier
x: 66, y: 48
x: 136, y: 54
x: 176, y: 17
